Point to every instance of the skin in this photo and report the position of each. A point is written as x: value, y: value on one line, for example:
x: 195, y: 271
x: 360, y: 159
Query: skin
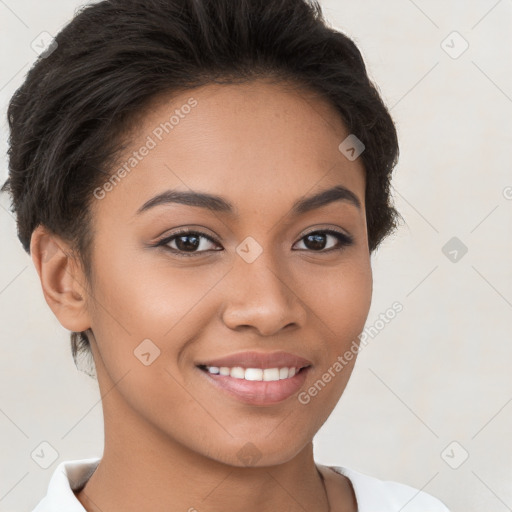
x: 171, y: 437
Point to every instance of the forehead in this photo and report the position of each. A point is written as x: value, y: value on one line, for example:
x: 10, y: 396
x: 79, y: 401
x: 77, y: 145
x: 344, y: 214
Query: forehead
x: 251, y: 142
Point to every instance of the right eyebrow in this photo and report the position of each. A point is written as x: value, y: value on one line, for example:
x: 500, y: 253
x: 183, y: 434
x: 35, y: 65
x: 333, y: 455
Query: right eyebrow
x: 199, y: 199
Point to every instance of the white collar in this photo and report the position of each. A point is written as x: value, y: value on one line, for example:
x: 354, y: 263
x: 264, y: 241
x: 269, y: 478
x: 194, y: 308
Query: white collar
x: 372, y: 494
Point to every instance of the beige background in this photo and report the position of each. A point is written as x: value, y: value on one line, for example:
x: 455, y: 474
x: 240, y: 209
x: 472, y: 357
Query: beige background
x: 439, y: 372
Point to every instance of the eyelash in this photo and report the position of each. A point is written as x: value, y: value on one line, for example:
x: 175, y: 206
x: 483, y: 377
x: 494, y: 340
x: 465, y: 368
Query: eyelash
x: 343, y: 241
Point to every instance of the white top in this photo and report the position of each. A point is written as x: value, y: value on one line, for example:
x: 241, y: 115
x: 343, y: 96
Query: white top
x: 372, y: 494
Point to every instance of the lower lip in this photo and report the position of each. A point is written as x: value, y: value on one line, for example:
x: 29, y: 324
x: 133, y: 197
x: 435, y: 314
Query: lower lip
x: 258, y: 392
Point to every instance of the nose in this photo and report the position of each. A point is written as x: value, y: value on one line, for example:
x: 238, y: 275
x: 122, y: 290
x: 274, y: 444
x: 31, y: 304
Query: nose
x: 262, y: 297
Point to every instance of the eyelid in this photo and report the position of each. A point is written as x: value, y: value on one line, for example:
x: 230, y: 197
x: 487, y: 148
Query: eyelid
x: 327, y: 230
x: 181, y: 230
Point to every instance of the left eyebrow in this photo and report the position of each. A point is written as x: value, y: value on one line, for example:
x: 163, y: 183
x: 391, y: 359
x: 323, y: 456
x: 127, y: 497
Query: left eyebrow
x: 222, y: 205
x: 323, y: 198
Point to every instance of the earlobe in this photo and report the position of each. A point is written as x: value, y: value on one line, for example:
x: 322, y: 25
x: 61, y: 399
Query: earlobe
x: 62, y: 281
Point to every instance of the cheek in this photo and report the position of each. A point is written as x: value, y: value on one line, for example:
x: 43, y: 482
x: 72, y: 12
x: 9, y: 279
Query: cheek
x: 148, y: 296
x: 144, y: 298
x: 339, y: 297
x: 350, y: 301
x: 341, y: 304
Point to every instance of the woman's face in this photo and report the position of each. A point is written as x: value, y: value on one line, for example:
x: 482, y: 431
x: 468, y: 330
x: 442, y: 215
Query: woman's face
x: 249, y: 278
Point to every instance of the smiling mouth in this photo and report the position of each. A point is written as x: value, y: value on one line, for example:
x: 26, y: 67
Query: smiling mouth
x: 250, y: 385
x: 254, y: 374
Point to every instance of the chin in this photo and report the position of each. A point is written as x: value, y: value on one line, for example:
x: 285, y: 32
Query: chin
x: 260, y: 452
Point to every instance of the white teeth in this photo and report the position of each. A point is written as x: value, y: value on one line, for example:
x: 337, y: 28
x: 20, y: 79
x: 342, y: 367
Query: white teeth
x: 253, y: 374
x: 267, y: 374
x: 270, y: 374
x: 237, y: 372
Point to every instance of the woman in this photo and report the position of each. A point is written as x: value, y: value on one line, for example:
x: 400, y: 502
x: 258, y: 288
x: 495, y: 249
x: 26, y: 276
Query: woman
x: 200, y: 185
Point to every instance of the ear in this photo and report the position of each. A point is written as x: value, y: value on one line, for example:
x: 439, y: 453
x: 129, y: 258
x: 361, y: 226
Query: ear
x: 62, y: 279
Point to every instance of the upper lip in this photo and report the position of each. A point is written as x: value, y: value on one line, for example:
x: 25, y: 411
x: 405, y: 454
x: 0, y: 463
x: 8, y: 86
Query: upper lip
x: 259, y: 360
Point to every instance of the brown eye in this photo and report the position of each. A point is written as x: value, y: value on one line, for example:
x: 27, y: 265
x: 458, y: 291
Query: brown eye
x: 317, y: 240
x: 187, y: 243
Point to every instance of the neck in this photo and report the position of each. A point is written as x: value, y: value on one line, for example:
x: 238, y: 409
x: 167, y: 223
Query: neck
x: 143, y: 469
